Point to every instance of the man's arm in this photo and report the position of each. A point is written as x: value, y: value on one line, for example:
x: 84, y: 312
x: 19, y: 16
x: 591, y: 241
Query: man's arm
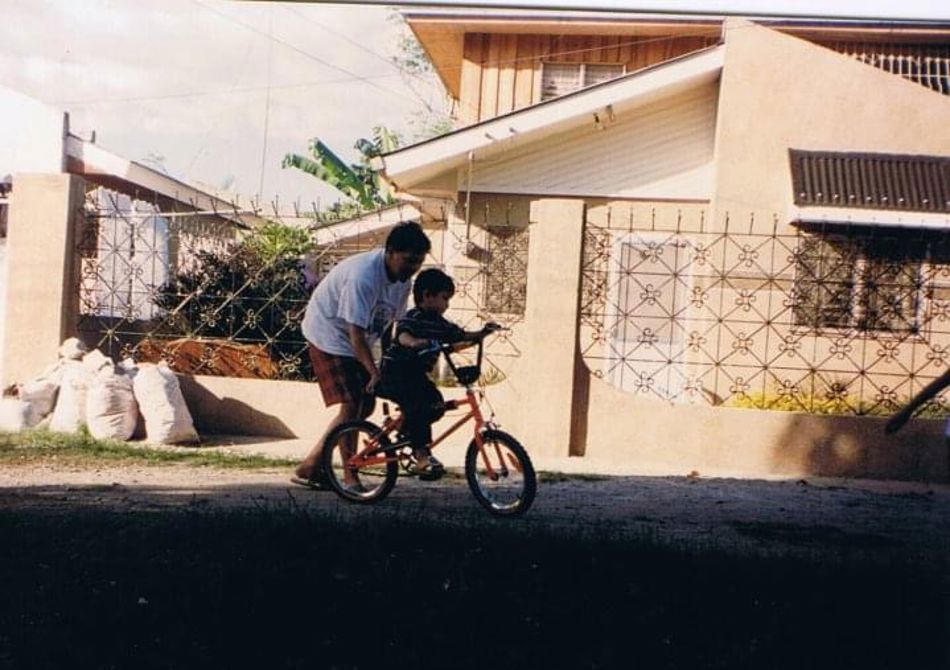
x: 364, y: 355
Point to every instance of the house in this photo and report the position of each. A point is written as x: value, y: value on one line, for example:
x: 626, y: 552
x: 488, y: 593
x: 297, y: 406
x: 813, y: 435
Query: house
x: 79, y: 213
x: 686, y: 219
x: 102, y: 244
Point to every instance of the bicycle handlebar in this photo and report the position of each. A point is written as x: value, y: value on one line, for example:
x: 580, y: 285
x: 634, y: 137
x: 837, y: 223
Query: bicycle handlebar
x: 436, y: 346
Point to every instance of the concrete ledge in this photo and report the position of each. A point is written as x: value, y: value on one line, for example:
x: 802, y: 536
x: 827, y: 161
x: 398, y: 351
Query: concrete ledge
x: 625, y: 434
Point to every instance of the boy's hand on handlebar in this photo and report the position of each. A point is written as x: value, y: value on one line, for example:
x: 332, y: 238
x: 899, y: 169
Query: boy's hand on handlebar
x: 431, y: 347
x: 490, y: 328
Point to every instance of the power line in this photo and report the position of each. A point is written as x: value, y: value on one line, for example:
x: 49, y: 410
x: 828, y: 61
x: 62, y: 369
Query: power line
x: 359, y: 46
x: 317, y: 59
x: 270, y: 54
x: 326, y: 82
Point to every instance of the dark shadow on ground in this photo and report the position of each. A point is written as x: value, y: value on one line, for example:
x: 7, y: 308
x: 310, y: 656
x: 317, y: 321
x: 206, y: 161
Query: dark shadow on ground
x: 181, y: 579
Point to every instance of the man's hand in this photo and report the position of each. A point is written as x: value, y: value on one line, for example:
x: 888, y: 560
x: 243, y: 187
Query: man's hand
x: 373, y: 381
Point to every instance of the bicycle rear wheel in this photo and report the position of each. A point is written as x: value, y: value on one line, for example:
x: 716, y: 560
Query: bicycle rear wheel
x: 500, y: 474
x: 363, y: 480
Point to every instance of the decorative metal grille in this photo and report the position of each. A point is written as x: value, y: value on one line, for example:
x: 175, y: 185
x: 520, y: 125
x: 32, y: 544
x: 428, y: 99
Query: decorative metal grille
x: 197, y: 291
x: 506, y: 276
x: 810, y: 321
x: 926, y: 65
x: 206, y: 295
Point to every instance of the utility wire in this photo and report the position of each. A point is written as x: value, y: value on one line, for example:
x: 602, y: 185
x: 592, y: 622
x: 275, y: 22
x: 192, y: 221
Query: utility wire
x: 317, y: 59
x: 359, y: 46
x: 326, y: 82
x: 270, y: 58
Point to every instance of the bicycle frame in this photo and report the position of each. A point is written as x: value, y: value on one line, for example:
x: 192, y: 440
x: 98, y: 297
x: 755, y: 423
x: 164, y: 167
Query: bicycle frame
x: 373, y: 453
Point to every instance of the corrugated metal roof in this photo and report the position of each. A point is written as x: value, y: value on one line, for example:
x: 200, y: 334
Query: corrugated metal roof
x: 871, y: 181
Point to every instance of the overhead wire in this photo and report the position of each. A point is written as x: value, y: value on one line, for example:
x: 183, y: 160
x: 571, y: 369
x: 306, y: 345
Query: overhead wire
x: 359, y: 46
x: 344, y: 80
x: 354, y: 76
x: 270, y: 58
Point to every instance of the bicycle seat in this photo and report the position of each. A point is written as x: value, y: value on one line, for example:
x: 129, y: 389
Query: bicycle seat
x: 468, y: 374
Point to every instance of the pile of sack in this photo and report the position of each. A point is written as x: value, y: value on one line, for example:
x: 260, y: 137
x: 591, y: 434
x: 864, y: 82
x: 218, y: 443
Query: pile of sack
x: 85, y: 388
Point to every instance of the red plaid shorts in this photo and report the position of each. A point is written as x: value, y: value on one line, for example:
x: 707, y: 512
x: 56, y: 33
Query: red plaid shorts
x: 342, y: 379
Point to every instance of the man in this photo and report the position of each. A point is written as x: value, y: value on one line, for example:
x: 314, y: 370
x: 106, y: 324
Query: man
x: 354, y: 305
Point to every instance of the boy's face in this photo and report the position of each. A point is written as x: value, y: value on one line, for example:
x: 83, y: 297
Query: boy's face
x: 435, y: 302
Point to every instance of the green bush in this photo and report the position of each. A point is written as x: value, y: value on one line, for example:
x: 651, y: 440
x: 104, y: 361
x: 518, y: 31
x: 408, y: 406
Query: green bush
x: 833, y: 405
x: 252, y: 293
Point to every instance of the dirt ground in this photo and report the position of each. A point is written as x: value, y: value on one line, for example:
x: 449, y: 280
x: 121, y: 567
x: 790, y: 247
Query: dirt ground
x: 817, y: 518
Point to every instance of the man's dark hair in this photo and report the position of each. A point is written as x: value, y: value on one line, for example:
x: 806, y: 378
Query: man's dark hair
x: 431, y: 280
x: 408, y: 236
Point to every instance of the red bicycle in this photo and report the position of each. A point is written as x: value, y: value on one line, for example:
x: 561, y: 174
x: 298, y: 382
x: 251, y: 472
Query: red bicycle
x: 361, y: 460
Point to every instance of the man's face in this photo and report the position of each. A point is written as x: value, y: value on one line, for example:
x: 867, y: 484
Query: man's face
x: 403, y: 264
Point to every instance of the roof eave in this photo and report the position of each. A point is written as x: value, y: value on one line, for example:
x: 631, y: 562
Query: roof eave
x: 417, y: 163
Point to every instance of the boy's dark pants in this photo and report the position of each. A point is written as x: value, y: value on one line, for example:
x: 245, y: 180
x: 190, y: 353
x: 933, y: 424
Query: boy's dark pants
x: 421, y: 402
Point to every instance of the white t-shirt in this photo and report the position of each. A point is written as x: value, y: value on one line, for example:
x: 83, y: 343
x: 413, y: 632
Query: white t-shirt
x: 357, y: 291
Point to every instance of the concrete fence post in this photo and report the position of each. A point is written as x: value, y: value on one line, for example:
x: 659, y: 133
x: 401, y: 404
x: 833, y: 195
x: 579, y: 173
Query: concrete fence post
x: 41, y: 287
x: 551, y: 321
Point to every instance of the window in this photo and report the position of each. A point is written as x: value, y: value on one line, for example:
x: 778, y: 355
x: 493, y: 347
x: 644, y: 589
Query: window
x: 646, y: 313
x: 4, y: 201
x: 871, y: 282
x: 506, y: 271
x: 562, y: 78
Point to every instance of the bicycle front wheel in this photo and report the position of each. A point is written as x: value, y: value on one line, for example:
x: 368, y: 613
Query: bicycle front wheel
x: 358, y: 463
x: 500, y: 474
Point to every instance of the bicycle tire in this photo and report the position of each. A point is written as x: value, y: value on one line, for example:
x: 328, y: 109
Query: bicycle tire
x: 511, y: 492
x: 374, y: 482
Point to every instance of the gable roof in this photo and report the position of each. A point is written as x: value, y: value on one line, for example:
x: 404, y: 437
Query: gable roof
x: 441, y: 31
x: 419, y: 162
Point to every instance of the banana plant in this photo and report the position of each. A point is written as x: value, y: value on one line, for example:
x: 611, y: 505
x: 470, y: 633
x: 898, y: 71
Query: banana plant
x: 359, y: 182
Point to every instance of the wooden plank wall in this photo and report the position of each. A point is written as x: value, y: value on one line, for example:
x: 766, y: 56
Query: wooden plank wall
x: 501, y: 72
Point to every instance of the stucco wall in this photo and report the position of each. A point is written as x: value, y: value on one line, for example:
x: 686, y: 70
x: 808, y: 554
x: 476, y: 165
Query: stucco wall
x: 779, y: 92
x: 31, y: 135
x: 41, y: 291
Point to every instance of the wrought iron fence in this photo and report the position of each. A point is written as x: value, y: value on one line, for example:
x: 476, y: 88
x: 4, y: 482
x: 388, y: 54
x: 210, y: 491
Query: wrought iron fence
x: 211, y: 295
x: 828, y: 319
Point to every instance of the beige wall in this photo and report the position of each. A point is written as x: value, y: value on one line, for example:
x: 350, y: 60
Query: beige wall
x: 31, y: 136
x: 42, y: 288
x: 551, y: 402
x: 717, y: 441
x: 779, y: 92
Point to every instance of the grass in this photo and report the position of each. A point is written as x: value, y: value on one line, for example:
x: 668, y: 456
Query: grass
x: 81, y: 448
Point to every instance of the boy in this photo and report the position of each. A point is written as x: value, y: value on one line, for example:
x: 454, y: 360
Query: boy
x: 405, y: 372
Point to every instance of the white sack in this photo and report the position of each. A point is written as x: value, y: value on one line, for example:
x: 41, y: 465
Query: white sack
x: 111, y: 410
x: 70, y: 412
x: 13, y: 414
x: 40, y: 393
x: 167, y: 419
x: 95, y: 361
x: 72, y: 349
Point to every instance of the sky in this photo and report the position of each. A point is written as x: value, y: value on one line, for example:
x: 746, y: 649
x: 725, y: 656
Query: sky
x: 217, y: 91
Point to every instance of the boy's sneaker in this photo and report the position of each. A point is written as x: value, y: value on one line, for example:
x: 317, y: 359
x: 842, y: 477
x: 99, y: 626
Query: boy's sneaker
x: 431, y: 471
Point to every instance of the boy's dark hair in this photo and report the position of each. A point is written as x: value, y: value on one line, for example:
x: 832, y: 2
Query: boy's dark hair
x: 431, y: 280
x: 408, y: 236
